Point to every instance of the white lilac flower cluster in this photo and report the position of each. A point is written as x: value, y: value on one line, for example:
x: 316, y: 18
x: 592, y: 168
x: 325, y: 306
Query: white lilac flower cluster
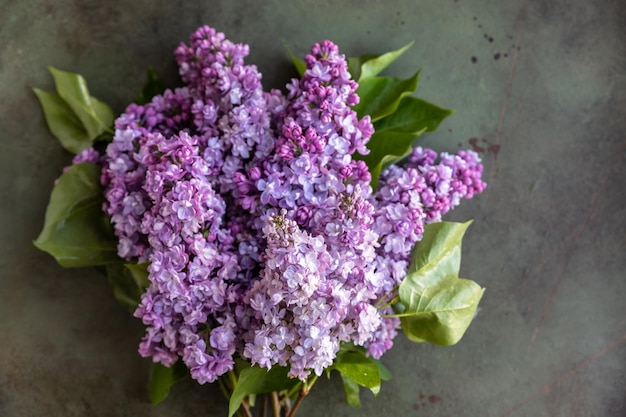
x: 263, y: 235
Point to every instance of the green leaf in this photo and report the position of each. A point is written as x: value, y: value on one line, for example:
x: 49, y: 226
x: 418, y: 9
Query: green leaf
x: 62, y: 122
x: 386, y: 148
x: 385, y: 375
x: 354, y: 365
x: 355, y: 64
x: 374, y: 65
x: 76, y: 231
x: 163, y: 378
x: 439, y: 251
x: 351, y: 390
x: 128, y: 282
x: 413, y: 115
x: 139, y: 272
x: 439, y: 306
x: 153, y: 87
x: 380, y: 96
x: 297, y: 62
x: 95, y: 116
x: 257, y: 380
x: 395, y: 134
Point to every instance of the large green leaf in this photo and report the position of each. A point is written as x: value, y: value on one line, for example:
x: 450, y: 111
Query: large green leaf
x: 359, y: 368
x: 395, y: 134
x: 355, y: 63
x: 128, y: 282
x: 257, y: 380
x: 62, y: 122
x: 95, y: 116
x: 386, y: 148
x: 373, y: 66
x: 368, y: 66
x: 438, y: 305
x: 380, y: 96
x: 163, y: 378
x: 439, y: 251
x: 76, y: 231
x: 413, y: 115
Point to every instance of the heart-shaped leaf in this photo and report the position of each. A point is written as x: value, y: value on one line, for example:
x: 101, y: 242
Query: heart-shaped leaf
x: 438, y: 305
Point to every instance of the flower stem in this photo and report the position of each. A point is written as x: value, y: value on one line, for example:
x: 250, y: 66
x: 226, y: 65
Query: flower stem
x: 275, y: 404
x: 303, y: 393
x: 262, y: 405
x: 390, y: 302
x: 384, y: 297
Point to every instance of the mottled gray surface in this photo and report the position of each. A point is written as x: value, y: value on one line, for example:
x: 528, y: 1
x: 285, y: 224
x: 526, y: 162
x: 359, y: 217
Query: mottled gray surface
x: 549, y: 116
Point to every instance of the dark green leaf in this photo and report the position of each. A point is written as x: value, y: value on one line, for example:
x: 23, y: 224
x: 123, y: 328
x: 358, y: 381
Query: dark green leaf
x: 380, y: 96
x: 256, y: 380
x: 355, y: 63
x: 153, y: 87
x: 358, y: 368
x: 62, y: 122
x: 374, y: 65
x: 386, y: 148
x: 139, y: 272
x: 297, y: 62
x: 95, y: 116
x: 413, y: 115
x: 395, y: 134
x: 351, y: 390
x: 438, y: 305
x: 128, y: 282
x: 163, y: 378
x: 385, y: 375
x: 76, y: 231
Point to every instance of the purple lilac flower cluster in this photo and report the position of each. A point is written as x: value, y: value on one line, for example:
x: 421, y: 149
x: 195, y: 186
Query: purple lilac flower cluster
x: 263, y: 235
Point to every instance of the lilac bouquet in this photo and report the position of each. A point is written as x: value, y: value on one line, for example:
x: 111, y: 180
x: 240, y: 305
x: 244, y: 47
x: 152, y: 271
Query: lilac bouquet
x: 266, y: 238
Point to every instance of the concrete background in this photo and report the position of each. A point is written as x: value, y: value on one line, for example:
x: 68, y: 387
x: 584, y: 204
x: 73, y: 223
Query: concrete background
x: 540, y: 90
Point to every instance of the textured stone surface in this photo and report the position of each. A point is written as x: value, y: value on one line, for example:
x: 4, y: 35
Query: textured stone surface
x: 540, y: 91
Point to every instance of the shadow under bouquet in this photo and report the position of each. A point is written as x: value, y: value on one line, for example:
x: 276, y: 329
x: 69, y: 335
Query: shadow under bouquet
x: 265, y: 239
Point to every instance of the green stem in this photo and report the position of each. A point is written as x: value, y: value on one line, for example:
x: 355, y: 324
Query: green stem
x: 224, y: 390
x: 389, y: 303
x: 293, y: 390
x: 233, y: 380
x: 384, y: 297
x: 275, y: 404
x: 309, y: 384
